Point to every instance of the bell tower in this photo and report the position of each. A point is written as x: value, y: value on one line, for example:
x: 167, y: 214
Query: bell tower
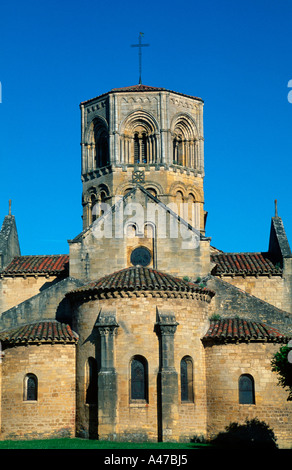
x: 146, y: 135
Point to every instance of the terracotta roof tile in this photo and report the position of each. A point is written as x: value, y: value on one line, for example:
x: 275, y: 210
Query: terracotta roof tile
x: 238, y: 329
x: 140, y: 278
x: 50, y: 264
x: 49, y: 331
x: 244, y: 263
x: 139, y: 88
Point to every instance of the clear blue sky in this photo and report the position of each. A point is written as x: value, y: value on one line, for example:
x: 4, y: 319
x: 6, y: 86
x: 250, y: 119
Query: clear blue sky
x: 235, y: 55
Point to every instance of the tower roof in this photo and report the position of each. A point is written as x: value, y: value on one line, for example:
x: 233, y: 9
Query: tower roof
x: 140, y: 88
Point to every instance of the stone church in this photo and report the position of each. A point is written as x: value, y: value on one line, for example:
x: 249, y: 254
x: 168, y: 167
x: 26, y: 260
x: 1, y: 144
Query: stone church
x: 144, y: 331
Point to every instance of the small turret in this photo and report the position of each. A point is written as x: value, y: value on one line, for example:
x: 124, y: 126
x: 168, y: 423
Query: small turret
x: 9, y: 243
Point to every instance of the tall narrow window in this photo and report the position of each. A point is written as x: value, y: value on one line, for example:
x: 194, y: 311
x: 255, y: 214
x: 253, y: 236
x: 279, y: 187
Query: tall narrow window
x: 246, y: 390
x: 30, y: 387
x: 139, y: 378
x: 186, y: 379
x: 180, y: 158
x: 91, y: 379
x: 94, y: 208
x: 144, y: 148
x: 136, y: 149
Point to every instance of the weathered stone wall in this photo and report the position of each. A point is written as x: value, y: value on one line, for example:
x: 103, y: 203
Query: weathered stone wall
x: 137, y: 335
x: 48, y: 304
x: 53, y: 414
x: 272, y: 289
x: 166, y: 182
x: 231, y: 301
x: 99, y: 251
x: 15, y: 290
x: 224, y: 365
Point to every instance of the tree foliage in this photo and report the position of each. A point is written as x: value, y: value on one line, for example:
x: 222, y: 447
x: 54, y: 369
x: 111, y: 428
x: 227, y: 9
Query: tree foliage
x: 253, y: 434
x: 283, y: 367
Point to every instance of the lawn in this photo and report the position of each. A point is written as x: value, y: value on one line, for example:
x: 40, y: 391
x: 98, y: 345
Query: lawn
x: 76, y: 443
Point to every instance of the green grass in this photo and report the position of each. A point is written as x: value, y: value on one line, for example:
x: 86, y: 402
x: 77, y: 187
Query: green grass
x: 76, y: 443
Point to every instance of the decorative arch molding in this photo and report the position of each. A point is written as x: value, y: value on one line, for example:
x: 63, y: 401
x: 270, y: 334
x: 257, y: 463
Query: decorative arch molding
x: 123, y: 188
x: 97, y: 144
x: 184, y: 123
x: 151, y: 185
x: 95, y: 120
x: 96, y: 191
x: 185, y: 136
x: 197, y: 193
x: 178, y: 186
x: 135, y: 118
x: 139, y: 138
x: 92, y: 199
x: 186, y: 191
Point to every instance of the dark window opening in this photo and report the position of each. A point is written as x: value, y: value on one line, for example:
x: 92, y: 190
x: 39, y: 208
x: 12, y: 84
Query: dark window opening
x: 186, y: 377
x: 139, y: 379
x: 136, y: 149
x: 91, y: 392
x: 140, y: 256
x: 31, y: 388
x: 246, y: 390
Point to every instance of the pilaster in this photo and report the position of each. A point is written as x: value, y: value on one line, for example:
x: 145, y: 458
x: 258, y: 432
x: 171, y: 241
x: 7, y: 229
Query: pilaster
x: 167, y: 377
x: 107, y: 378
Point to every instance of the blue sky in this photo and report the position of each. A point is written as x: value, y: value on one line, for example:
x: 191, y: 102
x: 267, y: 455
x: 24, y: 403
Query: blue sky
x: 236, y: 56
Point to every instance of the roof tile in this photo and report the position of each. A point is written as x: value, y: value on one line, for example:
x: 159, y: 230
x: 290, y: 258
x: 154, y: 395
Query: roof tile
x: 238, y: 329
x: 141, y: 278
x: 50, y: 331
x: 244, y: 264
x: 47, y: 264
x: 139, y: 88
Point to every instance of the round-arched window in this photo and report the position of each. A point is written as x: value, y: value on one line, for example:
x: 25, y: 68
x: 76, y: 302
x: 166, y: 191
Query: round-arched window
x: 140, y: 256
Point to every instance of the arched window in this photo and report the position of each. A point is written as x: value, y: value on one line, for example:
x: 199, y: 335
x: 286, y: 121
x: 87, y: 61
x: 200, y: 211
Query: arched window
x: 136, y: 148
x: 94, y: 209
x: 246, y: 390
x: 186, y: 379
x: 91, y: 381
x: 184, y: 134
x: 178, y: 157
x: 144, y: 148
x: 30, y: 387
x: 139, y: 378
x: 100, y: 137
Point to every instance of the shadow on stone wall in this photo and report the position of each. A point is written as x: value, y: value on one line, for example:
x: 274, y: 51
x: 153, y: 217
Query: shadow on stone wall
x: 254, y: 434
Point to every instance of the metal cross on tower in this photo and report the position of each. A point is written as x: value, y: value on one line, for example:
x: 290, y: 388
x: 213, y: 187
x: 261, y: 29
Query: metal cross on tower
x: 140, y: 45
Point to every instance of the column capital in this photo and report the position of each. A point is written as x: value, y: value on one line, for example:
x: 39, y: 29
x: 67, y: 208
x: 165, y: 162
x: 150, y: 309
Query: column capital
x: 166, y: 322
x: 106, y: 322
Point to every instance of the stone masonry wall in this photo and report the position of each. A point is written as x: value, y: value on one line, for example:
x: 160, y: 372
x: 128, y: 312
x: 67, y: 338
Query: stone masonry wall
x: 53, y: 414
x: 224, y: 365
x: 230, y: 301
x: 15, y: 290
x: 49, y: 303
x: 270, y: 289
x: 136, y: 335
x: 96, y: 254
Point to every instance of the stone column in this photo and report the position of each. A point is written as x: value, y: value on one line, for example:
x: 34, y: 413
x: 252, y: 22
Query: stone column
x: 167, y: 393
x: 107, y: 379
